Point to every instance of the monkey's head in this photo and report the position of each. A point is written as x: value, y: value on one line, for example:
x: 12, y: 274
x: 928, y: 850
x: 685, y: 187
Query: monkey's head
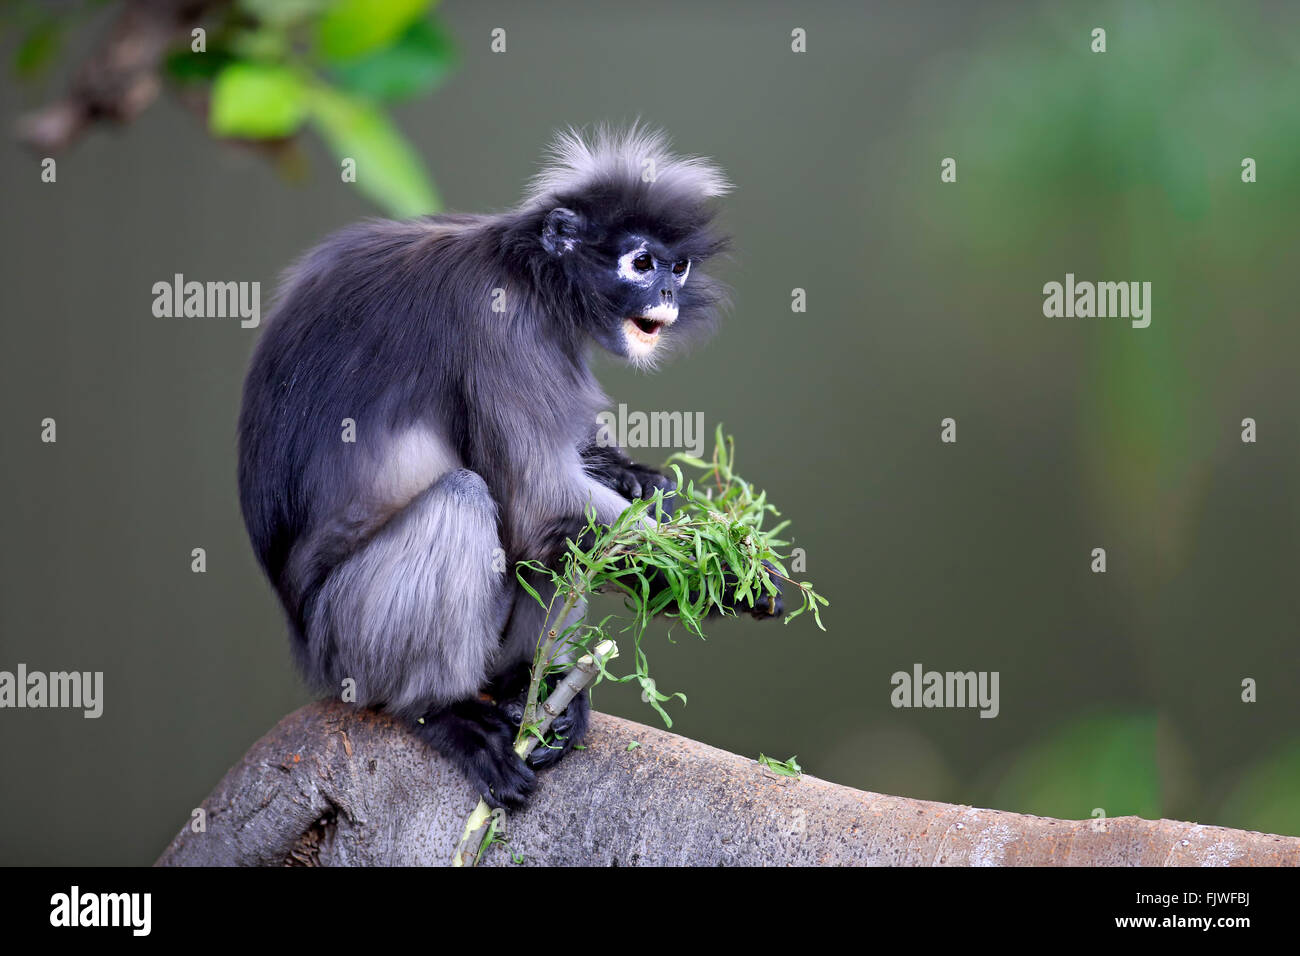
x: 629, y: 225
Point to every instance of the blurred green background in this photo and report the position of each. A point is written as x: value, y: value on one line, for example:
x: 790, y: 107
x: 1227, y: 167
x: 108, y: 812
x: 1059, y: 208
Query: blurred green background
x: 1119, y: 691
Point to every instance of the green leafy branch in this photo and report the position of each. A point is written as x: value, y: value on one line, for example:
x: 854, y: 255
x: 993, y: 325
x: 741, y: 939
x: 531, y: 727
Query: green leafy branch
x: 333, y: 65
x: 710, y: 554
x: 263, y: 70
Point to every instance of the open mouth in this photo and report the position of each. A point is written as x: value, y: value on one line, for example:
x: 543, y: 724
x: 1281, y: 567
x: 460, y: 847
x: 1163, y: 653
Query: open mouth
x: 643, y: 330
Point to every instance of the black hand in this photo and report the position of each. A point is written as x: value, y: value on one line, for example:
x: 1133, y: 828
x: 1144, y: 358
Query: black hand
x: 567, y: 730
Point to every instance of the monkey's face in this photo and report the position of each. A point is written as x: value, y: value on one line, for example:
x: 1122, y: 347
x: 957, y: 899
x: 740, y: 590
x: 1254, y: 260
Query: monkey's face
x: 649, y: 281
x: 640, y: 291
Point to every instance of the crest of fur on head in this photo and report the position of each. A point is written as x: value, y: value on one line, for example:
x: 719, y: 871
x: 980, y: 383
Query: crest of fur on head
x: 600, y: 195
x: 612, y: 160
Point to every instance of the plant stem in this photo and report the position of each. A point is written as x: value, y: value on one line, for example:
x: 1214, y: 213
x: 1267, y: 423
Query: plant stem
x: 542, y: 660
x: 588, y: 667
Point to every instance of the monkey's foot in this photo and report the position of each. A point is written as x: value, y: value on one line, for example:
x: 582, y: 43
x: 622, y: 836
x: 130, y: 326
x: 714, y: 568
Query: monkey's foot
x: 479, y: 738
x: 567, y: 730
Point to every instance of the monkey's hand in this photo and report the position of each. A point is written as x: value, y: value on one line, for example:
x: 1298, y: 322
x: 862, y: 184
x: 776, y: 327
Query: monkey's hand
x: 633, y: 481
x: 641, y: 481
x: 762, y: 604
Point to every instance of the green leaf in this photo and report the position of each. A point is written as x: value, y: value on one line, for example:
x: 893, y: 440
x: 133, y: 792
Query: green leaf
x: 388, y: 169
x: 282, y: 13
x: 257, y: 101
x: 688, y: 460
x: 261, y: 45
x: 38, y: 48
x: 353, y: 28
x: 420, y: 59
x: 532, y: 591
x: 186, y: 66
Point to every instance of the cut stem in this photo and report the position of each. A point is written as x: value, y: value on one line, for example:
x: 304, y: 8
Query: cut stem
x: 478, y: 828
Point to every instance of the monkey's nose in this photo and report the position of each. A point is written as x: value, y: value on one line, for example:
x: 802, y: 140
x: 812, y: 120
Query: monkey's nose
x: 666, y: 294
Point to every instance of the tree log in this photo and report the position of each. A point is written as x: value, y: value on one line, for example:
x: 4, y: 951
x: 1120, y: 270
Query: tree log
x: 331, y: 785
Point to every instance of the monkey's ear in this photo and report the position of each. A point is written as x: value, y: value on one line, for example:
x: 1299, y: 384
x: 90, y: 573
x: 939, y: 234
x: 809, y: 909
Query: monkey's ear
x: 560, y: 232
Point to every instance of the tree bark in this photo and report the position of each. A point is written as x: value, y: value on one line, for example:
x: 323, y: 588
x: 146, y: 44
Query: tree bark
x: 331, y: 785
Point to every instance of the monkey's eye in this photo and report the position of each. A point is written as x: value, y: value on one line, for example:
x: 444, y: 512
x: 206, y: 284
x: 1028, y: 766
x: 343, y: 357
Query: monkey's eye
x: 679, y: 268
x: 643, y: 262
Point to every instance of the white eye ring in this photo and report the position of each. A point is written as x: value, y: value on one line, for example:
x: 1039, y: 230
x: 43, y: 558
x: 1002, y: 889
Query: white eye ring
x: 629, y: 273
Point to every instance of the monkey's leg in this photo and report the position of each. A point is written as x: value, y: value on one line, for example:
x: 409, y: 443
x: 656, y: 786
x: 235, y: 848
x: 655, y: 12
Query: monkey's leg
x: 415, y: 616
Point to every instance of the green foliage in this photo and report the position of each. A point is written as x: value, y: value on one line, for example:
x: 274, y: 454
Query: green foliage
x: 361, y: 55
x: 283, y: 13
x: 786, y: 768
x: 185, y: 67
x: 274, y: 67
x: 352, y: 28
x: 494, y: 834
x: 38, y: 48
x: 415, y: 64
x: 258, y: 101
x: 1139, y: 149
x: 1121, y: 166
x: 390, y: 172
x: 42, y: 30
x: 713, y: 541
